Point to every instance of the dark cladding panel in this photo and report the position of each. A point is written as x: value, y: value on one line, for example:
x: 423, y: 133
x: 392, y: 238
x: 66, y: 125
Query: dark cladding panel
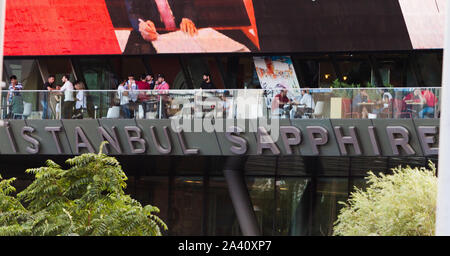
x: 330, y: 148
x: 87, y: 127
x: 386, y: 145
x: 203, y: 140
x: 12, y: 142
x: 362, y: 134
x: 46, y: 132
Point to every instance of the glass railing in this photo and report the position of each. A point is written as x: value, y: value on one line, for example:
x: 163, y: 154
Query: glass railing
x: 240, y: 104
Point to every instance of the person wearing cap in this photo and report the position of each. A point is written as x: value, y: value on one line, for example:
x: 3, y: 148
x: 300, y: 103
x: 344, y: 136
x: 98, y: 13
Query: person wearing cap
x: 162, y: 86
x: 161, y: 83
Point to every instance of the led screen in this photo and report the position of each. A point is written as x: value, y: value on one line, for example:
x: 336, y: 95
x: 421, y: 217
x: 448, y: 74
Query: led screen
x: 131, y: 27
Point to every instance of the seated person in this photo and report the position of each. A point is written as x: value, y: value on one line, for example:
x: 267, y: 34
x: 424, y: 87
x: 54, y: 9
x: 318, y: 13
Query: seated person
x: 306, y: 104
x: 429, y: 100
x: 386, y: 99
x: 361, y: 97
x: 426, y: 98
x: 384, y: 104
x: 279, y: 101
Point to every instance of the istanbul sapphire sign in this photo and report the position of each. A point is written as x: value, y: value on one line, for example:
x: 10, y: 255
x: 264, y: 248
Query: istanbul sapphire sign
x: 324, y: 137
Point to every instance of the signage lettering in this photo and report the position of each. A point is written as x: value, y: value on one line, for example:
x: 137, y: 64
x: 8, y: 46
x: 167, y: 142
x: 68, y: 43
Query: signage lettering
x: 397, y: 138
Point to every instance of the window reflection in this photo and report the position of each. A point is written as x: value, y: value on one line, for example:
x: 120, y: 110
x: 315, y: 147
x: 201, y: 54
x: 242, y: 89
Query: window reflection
x: 293, y: 203
x: 187, y: 206
x: 263, y: 199
x: 222, y: 219
x: 151, y: 190
x: 329, y: 192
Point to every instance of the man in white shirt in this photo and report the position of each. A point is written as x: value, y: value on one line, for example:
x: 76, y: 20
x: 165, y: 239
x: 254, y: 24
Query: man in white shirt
x: 133, y: 94
x: 80, y: 104
x: 69, y: 101
x: 307, y: 100
x: 124, y: 99
x: 306, y: 105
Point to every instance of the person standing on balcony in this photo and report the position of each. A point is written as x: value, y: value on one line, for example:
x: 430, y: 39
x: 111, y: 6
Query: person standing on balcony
x: 142, y: 84
x: 162, y: 88
x: 207, y: 84
x: 48, y: 87
x: 132, y: 87
x: 150, y: 81
x: 14, y: 86
x: 80, y: 105
x: 161, y: 83
x: 69, y: 101
x: 124, y: 99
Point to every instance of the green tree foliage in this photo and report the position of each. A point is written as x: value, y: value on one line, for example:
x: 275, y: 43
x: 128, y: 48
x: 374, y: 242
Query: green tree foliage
x: 87, y: 199
x: 401, y: 204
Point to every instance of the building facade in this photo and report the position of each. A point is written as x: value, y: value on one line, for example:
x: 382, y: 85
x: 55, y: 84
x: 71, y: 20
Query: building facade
x: 230, y: 182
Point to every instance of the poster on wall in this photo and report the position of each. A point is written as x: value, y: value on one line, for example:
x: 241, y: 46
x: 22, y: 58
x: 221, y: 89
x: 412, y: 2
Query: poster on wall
x: 276, y: 73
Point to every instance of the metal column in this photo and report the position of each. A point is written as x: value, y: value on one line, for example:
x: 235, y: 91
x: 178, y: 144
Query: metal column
x: 240, y: 196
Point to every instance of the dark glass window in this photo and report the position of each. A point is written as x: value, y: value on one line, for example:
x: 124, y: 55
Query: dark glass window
x: 262, y: 195
x: 293, y: 205
x: 186, y: 212
x: 329, y: 191
x: 222, y: 219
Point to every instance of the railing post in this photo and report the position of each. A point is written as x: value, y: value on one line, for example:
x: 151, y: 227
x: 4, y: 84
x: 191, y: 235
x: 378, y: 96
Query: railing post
x: 160, y: 106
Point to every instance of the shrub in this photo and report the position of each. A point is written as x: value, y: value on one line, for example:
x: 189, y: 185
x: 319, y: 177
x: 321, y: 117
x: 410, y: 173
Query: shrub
x: 400, y: 204
x: 88, y: 199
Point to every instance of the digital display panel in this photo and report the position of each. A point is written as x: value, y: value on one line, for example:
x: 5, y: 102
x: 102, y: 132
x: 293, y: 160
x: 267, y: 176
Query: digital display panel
x: 132, y: 27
